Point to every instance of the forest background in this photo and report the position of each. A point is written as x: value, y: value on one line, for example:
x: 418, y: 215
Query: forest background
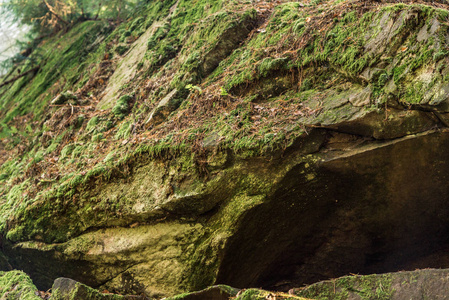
x: 24, y: 23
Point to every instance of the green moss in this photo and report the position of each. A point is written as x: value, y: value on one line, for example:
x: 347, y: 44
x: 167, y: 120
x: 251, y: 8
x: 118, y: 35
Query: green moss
x: 252, y: 294
x: 78, y: 150
x: 202, y: 35
x: 121, y: 107
x: 81, y: 291
x: 269, y: 65
x: 16, y: 201
x: 178, y: 50
x: 16, y: 285
x: 414, y: 94
x: 12, y: 168
x: 159, y: 34
x: 110, y: 157
x: 179, y: 297
x: 67, y: 151
x: 121, y: 49
x: 97, y: 137
x: 136, y: 23
x: 398, y: 72
x: 56, y: 142
x: 124, y: 130
x: 365, y: 287
x: 92, y: 123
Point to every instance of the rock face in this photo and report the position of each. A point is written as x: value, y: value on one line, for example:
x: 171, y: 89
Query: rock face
x: 361, y: 210
x: 260, y: 145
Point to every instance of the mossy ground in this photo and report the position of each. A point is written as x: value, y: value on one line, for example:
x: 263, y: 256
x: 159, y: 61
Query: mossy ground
x: 255, y: 99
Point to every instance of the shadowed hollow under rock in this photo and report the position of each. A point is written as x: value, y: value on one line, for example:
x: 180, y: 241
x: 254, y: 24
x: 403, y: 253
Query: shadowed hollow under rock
x: 378, y: 208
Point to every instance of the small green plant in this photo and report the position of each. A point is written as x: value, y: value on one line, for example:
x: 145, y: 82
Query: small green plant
x: 223, y: 91
x: 191, y: 87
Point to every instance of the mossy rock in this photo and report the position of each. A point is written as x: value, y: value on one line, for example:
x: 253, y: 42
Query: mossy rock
x: 166, y: 106
x: 65, y: 288
x: 419, y: 284
x: 16, y: 285
x: 249, y: 132
x: 218, y: 292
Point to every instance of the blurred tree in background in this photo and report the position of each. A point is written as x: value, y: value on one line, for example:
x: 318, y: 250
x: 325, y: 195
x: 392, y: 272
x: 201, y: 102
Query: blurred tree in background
x: 49, y: 16
x: 42, y: 18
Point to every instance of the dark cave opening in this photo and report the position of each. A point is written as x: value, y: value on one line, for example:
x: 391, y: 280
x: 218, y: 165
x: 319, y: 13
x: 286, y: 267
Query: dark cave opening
x: 379, y: 210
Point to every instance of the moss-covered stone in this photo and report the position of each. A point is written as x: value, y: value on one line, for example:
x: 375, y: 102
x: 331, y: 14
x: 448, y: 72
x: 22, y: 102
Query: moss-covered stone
x: 68, y: 289
x: 16, y: 285
x: 218, y: 292
x: 427, y: 284
x: 245, y: 120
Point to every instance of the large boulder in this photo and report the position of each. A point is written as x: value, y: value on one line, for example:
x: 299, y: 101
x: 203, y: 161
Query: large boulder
x: 315, y: 147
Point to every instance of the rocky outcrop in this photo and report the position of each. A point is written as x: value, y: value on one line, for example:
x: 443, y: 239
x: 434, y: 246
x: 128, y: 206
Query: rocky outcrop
x: 250, y: 144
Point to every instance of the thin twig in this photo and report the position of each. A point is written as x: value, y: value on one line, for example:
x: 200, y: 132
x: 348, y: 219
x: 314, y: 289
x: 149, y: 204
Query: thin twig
x: 19, y: 76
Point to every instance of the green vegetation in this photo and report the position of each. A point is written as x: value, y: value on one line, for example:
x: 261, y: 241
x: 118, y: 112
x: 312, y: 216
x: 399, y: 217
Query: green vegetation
x: 121, y: 49
x: 16, y: 285
x: 242, y: 83
x: 54, y: 15
x: 121, y: 108
x: 79, y: 291
x: 255, y: 91
x: 366, y: 287
x: 60, y: 71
